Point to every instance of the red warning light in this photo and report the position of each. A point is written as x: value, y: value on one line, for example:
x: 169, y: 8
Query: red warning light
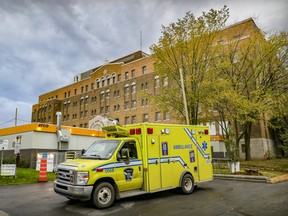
x: 132, y: 131
x: 150, y: 130
x: 138, y: 130
x: 206, y: 132
x: 99, y: 170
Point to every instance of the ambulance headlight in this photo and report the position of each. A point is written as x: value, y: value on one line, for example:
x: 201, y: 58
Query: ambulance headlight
x: 82, y: 178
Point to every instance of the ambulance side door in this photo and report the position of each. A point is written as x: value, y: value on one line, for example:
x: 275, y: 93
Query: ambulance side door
x: 129, y: 167
x: 154, y: 167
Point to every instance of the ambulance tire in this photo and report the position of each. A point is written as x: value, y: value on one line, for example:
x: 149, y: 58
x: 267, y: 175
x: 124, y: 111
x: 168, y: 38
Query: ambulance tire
x: 103, y: 195
x: 187, y: 184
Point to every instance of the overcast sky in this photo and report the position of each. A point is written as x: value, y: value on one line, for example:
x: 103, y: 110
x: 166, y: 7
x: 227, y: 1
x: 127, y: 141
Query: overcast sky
x: 44, y: 43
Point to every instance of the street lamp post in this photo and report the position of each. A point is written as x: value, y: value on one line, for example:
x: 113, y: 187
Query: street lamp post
x: 184, y: 96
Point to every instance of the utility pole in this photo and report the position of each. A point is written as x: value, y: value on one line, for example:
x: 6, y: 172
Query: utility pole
x: 184, y: 96
x: 16, y: 116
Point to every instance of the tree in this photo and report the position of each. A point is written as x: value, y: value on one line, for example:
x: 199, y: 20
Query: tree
x: 254, y: 70
x: 231, y: 75
x: 186, y: 45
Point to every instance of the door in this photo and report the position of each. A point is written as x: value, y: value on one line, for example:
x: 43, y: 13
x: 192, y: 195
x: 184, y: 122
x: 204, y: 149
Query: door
x: 129, y: 167
x: 204, y: 158
x: 154, y: 169
x: 166, y: 163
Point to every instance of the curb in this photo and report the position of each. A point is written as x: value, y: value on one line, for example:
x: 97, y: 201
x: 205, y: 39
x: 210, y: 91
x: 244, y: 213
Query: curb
x: 261, y: 179
x: 251, y: 178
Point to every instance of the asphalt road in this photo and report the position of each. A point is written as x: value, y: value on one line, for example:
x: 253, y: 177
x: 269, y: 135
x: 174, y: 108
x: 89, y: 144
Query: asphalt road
x: 219, y: 197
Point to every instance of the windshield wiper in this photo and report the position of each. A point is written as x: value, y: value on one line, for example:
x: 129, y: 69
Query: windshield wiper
x: 95, y: 155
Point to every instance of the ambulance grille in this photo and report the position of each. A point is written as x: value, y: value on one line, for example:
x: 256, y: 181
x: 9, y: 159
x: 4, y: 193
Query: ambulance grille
x: 66, y: 174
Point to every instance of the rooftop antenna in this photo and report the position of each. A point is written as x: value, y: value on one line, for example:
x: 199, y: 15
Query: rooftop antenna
x: 140, y: 40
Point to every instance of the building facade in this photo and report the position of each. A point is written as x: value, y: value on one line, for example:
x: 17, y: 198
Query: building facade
x: 118, y: 90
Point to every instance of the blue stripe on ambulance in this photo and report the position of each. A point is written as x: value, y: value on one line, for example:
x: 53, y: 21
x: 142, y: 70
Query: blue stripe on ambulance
x: 119, y: 165
x: 206, y: 156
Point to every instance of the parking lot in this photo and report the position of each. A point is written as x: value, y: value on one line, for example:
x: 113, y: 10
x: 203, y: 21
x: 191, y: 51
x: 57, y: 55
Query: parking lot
x: 219, y: 197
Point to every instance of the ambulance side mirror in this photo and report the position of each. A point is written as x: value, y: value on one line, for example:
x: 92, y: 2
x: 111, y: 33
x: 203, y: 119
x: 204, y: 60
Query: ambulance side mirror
x: 83, y: 151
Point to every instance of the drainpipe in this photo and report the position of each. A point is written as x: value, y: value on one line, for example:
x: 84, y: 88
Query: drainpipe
x: 58, y: 127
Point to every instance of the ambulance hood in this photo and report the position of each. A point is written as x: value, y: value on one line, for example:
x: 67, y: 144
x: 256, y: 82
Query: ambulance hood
x: 84, y: 164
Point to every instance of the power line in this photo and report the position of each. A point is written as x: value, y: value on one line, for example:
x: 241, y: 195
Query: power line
x: 7, y: 121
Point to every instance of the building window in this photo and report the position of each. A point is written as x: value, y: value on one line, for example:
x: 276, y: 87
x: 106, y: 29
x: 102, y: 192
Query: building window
x: 113, y: 79
x: 126, y: 90
x: 119, y: 77
x: 102, y: 110
x: 92, y: 86
x: 133, y: 89
x: 145, y: 117
x: 146, y: 86
x: 127, y: 120
x: 166, y: 116
x: 144, y: 70
x: 82, y: 89
x: 157, y: 116
x: 126, y: 75
x: 133, y: 119
x: 98, y: 84
x: 65, y: 94
x: 108, y: 81
x: 102, y: 96
x: 86, y: 88
x: 68, y: 93
x: 133, y: 73
x: 107, y: 109
x: 157, y: 82
x: 165, y: 81
x: 126, y: 105
x: 108, y: 95
x: 133, y: 104
x: 103, y: 83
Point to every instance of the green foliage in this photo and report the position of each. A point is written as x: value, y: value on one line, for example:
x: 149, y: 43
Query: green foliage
x: 24, y: 163
x: 240, y: 81
x: 186, y: 44
x: 24, y: 176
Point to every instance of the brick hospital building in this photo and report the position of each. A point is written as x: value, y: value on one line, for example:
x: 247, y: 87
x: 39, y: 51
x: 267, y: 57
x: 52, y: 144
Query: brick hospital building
x: 117, y: 90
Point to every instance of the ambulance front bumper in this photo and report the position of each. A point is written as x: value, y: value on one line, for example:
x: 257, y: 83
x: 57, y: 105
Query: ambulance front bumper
x: 73, y: 191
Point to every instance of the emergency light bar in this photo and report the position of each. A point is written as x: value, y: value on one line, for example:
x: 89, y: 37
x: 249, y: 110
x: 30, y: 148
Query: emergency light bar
x: 137, y: 131
x: 115, y: 130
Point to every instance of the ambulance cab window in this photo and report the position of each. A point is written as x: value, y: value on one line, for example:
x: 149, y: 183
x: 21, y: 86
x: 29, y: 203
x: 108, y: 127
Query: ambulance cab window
x: 131, y: 147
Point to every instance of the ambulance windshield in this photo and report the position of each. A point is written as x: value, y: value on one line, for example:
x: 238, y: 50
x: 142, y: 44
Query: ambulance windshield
x: 101, y: 149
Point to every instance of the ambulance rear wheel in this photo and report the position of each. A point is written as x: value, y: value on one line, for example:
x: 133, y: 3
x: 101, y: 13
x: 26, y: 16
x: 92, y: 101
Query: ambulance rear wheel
x: 187, y: 184
x: 103, y: 195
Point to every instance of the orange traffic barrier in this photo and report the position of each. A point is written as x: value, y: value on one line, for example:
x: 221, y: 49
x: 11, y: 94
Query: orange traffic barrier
x: 43, y: 170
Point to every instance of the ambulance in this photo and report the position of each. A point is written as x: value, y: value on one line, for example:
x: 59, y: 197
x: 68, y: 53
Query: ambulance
x: 137, y: 159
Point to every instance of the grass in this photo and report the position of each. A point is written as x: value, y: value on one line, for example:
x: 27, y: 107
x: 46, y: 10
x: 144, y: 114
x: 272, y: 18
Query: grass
x: 24, y: 176
x: 269, y: 168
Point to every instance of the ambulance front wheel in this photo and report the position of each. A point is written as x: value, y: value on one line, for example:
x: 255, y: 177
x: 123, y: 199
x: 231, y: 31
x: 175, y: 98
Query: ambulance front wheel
x: 103, y: 195
x: 187, y: 184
